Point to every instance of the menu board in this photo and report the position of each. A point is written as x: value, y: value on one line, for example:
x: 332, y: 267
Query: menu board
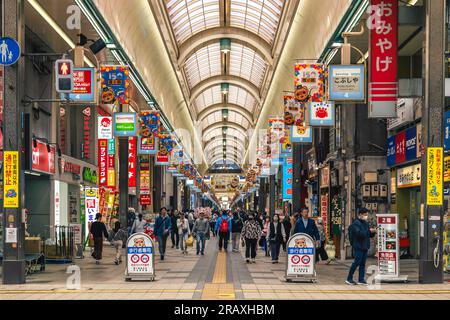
x: 388, y: 244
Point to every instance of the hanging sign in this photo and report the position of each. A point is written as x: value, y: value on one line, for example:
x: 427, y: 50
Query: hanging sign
x: 409, y: 176
x: 11, y: 179
x: 435, y: 177
x: 324, y: 212
x: 150, y: 122
x: 321, y: 114
x: 87, y: 133
x: 346, y: 82
x: 383, y: 85
x: 447, y: 169
x: 301, y: 135
x: 105, y: 128
x: 288, y: 175
x: 124, y: 124
x: 111, y: 178
x: 148, y: 145
x: 132, y: 162
x: 115, y: 84
x: 163, y: 153
x: 140, y: 257
x: 102, y: 162
x: 92, y: 204
x: 83, y: 85
x: 388, y: 245
x: 43, y: 160
x: 309, y: 82
x: 300, y: 256
x: 447, y: 130
x: 286, y: 145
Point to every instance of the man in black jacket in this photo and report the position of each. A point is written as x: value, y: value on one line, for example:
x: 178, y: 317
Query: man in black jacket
x: 236, y: 227
x: 98, y: 230
x: 359, y: 236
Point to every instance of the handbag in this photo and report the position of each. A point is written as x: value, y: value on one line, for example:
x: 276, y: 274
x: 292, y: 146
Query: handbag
x: 190, y: 241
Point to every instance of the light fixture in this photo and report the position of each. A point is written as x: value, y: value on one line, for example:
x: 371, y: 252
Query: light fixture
x: 224, y: 87
x: 224, y: 130
x: 225, y: 113
x: 224, y: 142
x: 225, y: 45
x: 111, y: 46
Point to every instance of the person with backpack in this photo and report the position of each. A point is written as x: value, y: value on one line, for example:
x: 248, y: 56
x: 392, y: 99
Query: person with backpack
x: 223, y: 227
x: 120, y: 238
x: 236, y: 226
x: 359, y: 234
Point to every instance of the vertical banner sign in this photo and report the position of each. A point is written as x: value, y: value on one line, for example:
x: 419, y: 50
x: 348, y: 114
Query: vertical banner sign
x: 62, y: 129
x: 400, y: 147
x: 321, y: 114
x: 11, y: 179
x: 309, y: 82
x: 287, y: 178
x: 105, y: 128
x: 115, y: 84
x: 132, y: 143
x: 111, y: 163
x: 324, y: 212
x: 144, y: 180
x: 150, y: 127
x: 435, y: 176
x: 83, y: 85
x: 87, y: 133
x: 286, y: 145
x: 103, y: 162
x: 91, y: 203
x: 388, y: 246
x: 383, y: 85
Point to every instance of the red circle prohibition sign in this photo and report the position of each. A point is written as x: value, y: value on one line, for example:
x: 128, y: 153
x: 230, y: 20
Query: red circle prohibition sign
x: 306, y: 259
x: 145, y: 258
x: 135, y: 258
x: 295, y: 259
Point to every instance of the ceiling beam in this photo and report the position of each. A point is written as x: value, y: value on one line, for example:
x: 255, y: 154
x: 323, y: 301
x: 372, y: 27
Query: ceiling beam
x: 232, y: 80
x: 213, y: 35
x: 239, y: 144
x: 228, y: 137
x: 228, y: 124
x: 230, y: 106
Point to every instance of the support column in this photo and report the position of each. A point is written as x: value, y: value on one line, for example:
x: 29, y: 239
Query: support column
x: 13, y: 26
x: 431, y: 226
x: 175, y: 193
x: 123, y: 181
x: 297, y: 177
x: 262, y: 195
x: 157, y: 188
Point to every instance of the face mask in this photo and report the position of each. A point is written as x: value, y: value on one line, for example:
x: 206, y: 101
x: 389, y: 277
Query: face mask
x: 365, y: 218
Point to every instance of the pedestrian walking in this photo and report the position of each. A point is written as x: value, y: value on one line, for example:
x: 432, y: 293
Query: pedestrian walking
x: 138, y: 224
x: 131, y: 216
x: 162, y: 229
x: 307, y: 225
x: 201, y: 232
x: 276, y: 235
x: 293, y: 220
x: 119, y: 239
x: 251, y: 231
x: 98, y: 231
x: 174, y: 236
x: 224, y: 229
x: 263, y: 240
x: 191, y: 219
x: 321, y: 250
x: 236, y: 226
x: 287, y: 228
x: 183, y: 231
x: 359, y: 236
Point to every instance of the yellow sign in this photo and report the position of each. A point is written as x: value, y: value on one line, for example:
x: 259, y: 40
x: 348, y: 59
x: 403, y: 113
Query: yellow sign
x: 11, y: 179
x: 111, y: 178
x: 447, y: 169
x: 435, y: 176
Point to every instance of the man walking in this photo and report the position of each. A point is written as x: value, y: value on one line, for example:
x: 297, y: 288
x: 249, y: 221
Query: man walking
x: 223, y: 226
x: 236, y: 226
x: 98, y: 231
x: 201, y: 232
x: 307, y: 225
x: 359, y: 236
x: 162, y: 229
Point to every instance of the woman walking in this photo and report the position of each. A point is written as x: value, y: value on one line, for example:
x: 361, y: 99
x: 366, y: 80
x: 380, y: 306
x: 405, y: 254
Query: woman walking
x: 138, y: 224
x: 275, y: 237
x: 265, y: 230
x: 321, y: 250
x: 98, y: 231
x: 251, y: 231
x: 183, y: 231
x: 120, y: 238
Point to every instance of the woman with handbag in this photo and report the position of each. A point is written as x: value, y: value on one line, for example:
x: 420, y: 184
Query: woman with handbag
x: 275, y: 237
x: 184, y: 232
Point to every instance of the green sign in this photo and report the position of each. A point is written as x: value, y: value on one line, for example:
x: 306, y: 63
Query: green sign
x: 112, y: 146
x: 124, y: 124
x: 90, y: 175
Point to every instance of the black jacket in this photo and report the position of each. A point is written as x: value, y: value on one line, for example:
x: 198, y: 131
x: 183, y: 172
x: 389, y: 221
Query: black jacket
x: 236, y: 225
x: 98, y: 229
x: 361, y: 235
x: 279, y: 235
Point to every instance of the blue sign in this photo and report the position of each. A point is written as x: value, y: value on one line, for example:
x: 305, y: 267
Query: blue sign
x: 300, y: 250
x: 288, y: 176
x: 9, y: 51
x: 411, y: 144
x: 139, y: 250
x: 83, y: 85
x: 301, y: 137
x: 346, y: 82
x: 447, y: 131
x: 391, y: 151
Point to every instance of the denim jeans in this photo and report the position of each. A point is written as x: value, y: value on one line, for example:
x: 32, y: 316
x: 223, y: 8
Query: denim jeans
x: 236, y: 237
x: 360, y: 261
x: 162, y: 240
x: 275, y: 249
x: 175, y: 237
x: 201, y: 242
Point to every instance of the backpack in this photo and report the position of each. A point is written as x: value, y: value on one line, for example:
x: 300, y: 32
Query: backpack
x: 223, y: 225
x: 351, y: 235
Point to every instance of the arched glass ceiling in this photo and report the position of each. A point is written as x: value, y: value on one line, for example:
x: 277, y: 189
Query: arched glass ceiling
x: 247, y: 64
x: 233, y: 116
x: 208, y: 97
x: 259, y: 16
x: 191, y: 17
x: 230, y: 143
x: 242, y: 98
x: 218, y: 151
x: 217, y: 134
x: 204, y: 63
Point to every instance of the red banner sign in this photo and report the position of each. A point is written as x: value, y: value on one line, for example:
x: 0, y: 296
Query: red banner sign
x: 400, y: 147
x: 145, y: 200
x: 42, y: 159
x: 132, y: 144
x: 102, y: 162
x: 87, y: 133
x: 383, y: 86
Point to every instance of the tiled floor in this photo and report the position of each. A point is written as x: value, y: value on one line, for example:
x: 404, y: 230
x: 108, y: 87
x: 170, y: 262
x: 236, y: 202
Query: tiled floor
x: 213, y: 276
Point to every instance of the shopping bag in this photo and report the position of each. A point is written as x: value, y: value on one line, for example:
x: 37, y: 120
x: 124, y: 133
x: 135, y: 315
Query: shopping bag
x: 190, y: 241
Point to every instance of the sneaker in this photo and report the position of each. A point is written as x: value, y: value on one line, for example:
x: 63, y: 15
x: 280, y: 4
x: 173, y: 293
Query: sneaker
x: 350, y: 282
x: 173, y: 247
x: 203, y: 253
x: 247, y: 260
x: 116, y: 262
x: 362, y: 283
x: 198, y: 253
x: 97, y: 261
x: 178, y: 247
x: 253, y: 261
x: 162, y: 257
x: 273, y: 262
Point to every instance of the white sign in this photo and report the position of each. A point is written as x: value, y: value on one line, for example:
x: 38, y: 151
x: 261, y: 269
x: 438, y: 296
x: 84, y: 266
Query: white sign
x: 57, y: 204
x: 91, y: 202
x: 300, y: 255
x: 408, y: 176
x: 105, y: 128
x: 388, y: 244
x: 405, y: 113
x: 76, y: 228
x: 140, y: 256
x: 11, y: 235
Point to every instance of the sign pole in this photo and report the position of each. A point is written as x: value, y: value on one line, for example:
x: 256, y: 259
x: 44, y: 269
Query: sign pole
x: 431, y: 213
x: 13, y: 245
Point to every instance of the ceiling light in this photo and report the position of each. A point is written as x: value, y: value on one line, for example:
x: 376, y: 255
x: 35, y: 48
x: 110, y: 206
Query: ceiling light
x: 225, y: 45
x: 111, y: 46
x: 224, y: 130
x: 225, y: 113
x: 224, y: 87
